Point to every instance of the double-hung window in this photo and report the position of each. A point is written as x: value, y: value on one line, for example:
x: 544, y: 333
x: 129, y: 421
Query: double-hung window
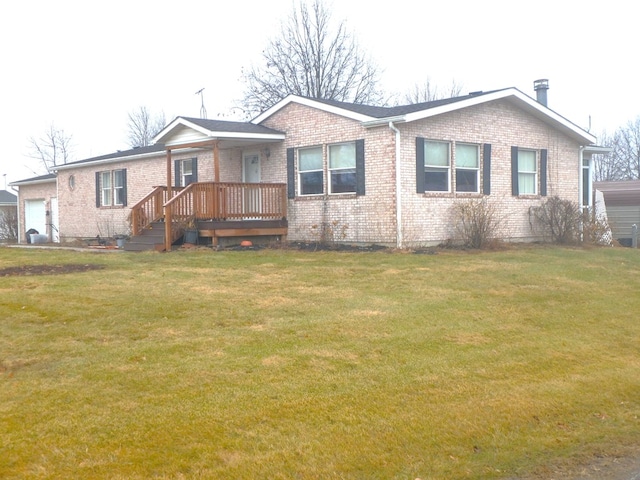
x: 437, y: 166
x: 186, y: 172
x: 310, y: 171
x: 467, y: 168
x: 111, y: 188
x: 527, y: 172
x: 342, y: 168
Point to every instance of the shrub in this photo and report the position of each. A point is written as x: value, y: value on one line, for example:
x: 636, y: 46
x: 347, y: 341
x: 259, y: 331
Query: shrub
x: 559, y: 220
x: 476, y: 222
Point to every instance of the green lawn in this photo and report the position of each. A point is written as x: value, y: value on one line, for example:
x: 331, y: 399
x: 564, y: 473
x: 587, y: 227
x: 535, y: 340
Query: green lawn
x: 285, y: 364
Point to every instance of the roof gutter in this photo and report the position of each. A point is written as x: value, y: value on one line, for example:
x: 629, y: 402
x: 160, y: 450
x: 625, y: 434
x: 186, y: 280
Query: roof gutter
x: 399, y: 238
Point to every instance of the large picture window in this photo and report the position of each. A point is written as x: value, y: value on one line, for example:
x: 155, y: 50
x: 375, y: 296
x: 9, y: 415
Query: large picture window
x: 111, y: 188
x: 310, y: 171
x: 467, y: 168
x: 342, y: 168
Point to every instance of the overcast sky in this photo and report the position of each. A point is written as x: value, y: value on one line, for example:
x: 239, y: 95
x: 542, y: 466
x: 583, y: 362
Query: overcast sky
x: 83, y: 65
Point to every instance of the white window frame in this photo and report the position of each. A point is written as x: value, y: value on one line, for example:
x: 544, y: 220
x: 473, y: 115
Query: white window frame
x: 183, y: 175
x: 109, y: 190
x: 469, y: 169
x: 437, y: 168
x: 337, y: 170
x: 301, y: 172
x: 528, y: 173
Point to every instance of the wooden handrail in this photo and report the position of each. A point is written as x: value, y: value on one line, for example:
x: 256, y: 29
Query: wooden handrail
x: 223, y: 201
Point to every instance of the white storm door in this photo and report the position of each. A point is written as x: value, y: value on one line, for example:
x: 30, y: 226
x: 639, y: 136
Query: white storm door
x: 252, y: 202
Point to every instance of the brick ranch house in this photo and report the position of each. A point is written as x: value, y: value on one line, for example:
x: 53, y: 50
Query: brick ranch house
x: 310, y: 170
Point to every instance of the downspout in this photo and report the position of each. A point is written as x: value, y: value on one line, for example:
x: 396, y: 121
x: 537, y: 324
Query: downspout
x: 399, y: 239
x: 581, y: 177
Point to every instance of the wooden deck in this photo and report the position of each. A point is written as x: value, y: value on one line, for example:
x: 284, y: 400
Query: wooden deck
x: 216, y: 210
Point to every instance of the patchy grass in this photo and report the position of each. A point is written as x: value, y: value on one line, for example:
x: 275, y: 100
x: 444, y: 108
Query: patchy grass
x: 288, y: 364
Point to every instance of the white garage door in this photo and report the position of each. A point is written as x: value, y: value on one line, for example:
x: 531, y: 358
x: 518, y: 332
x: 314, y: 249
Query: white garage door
x: 35, y: 215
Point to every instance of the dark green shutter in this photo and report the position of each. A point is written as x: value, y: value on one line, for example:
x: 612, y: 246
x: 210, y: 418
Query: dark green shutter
x: 419, y: 165
x: 514, y: 171
x: 194, y: 169
x: 124, y: 187
x: 291, y: 173
x: 176, y: 165
x: 486, y: 169
x: 98, y: 196
x: 543, y: 172
x: 360, y: 178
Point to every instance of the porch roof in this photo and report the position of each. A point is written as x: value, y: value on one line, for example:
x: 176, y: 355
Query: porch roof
x: 187, y: 130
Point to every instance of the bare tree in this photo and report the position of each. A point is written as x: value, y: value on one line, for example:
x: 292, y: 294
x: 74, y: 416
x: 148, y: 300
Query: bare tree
x: 427, y: 92
x: 606, y: 166
x: 311, y: 58
x: 623, y: 163
x: 143, y: 126
x: 626, y: 149
x: 8, y: 225
x: 52, y: 149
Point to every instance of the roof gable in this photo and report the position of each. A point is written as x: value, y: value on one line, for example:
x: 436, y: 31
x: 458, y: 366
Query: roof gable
x: 373, y: 115
x: 184, y: 130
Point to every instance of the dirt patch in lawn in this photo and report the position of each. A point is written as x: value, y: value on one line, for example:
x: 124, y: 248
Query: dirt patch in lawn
x: 48, y: 269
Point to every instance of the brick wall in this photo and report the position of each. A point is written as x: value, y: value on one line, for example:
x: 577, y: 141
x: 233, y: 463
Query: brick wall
x: 426, y: 218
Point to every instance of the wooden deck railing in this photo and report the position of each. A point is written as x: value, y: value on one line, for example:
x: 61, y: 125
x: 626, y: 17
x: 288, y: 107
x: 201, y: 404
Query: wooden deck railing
x: 223, y: 201
x: 149, y: 209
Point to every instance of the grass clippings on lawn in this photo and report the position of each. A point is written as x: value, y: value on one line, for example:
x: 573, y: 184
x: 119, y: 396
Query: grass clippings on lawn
x: 294, y: 364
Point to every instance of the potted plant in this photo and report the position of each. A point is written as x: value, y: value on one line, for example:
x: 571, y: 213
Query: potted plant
x: 191, y: 232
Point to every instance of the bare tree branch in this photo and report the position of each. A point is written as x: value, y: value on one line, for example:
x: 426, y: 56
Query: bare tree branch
x: 52, y: 149
x: 313, y: 59
x: 143, y: 126
x: 428, y: 92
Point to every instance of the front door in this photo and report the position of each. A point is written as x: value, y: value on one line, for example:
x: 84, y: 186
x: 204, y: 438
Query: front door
x: 252, y: 203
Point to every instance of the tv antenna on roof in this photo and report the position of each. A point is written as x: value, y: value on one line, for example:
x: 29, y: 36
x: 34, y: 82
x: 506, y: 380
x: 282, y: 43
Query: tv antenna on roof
x: 203, y: 111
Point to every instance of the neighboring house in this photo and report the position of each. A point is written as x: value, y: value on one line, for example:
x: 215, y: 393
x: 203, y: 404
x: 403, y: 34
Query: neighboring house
x: 622, y: 203
x: 8, y: 212
x: 38, y: 207
x: 315, y: 170
x: 8, y: 202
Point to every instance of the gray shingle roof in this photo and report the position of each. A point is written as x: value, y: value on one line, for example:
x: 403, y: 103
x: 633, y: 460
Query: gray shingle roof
x: 38, y: 179
x: 121, y: 154
x: 8, y: 198
x: 385, y: 112
x: 228, y: 126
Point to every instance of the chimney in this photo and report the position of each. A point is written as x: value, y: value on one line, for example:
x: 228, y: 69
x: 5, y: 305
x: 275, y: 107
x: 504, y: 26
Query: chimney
x: 541, y: 86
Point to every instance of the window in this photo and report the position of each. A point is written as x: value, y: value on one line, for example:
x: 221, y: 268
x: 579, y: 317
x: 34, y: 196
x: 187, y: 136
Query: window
x: 186, y: 172
x: 310, y: 171
x: 527, y: 172
x: 467, y: 168
x: 436, y: 166
x: 342, y: 168
x: 111, y: 188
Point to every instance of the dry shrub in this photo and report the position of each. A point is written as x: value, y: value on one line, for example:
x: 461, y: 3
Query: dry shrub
x: 558, y: 220
x: 476, y: 222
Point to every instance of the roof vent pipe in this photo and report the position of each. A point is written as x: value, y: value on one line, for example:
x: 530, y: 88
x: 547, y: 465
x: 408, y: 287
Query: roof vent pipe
x: 541, y: 86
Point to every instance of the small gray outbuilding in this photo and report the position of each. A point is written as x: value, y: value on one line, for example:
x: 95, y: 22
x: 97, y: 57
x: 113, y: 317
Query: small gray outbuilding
x: 622, y: 201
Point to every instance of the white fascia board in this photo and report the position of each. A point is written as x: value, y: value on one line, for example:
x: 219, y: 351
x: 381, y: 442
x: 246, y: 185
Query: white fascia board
x: 597, y: 149
x: 211, y: 135
x: 309, y: 102
x: 105, y: 161
x: 526, y: 102
x: 32, y: 182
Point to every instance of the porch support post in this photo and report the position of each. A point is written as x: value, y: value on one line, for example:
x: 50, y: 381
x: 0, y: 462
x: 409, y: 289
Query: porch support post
x: 216, y: 162
x: 167, y: 210
x: 169, y: 190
